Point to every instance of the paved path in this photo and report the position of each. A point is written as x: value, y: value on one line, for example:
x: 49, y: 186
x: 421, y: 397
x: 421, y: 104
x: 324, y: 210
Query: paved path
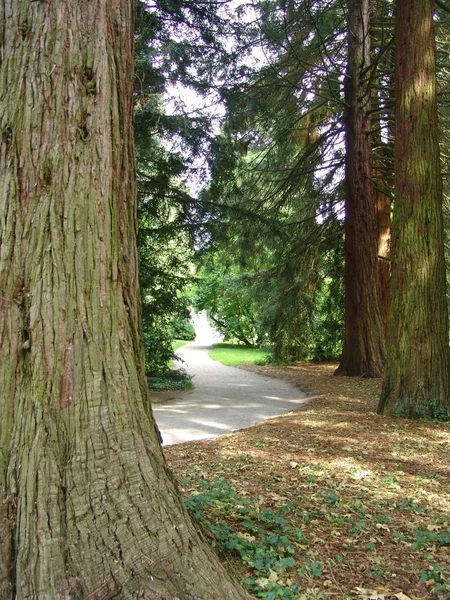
x: 224, y: 399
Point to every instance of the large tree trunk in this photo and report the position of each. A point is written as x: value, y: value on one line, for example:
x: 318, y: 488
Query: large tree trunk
x: 363, y: 353
x: 88, y: 508
x: 416, y: 383
x: 382, y: 140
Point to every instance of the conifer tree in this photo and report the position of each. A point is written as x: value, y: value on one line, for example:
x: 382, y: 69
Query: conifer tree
x: 416, y: 382
x: 88, y: 507
x: 364, y: 349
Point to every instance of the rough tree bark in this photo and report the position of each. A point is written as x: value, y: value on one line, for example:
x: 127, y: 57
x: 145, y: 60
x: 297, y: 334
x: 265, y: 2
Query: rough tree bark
x: 383, y: 103
x: 416, y: 382
x: 363, y: 352
x: 88, y: 508
x: 383, y: 206
x: 383, y: 177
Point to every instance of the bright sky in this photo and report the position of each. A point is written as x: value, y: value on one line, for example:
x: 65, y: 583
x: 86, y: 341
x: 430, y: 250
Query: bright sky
x: 178, y: 95
x: 179, y: 98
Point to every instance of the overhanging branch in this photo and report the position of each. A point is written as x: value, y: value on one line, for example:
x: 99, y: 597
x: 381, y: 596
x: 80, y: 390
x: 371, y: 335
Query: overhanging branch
x: 442, y: 5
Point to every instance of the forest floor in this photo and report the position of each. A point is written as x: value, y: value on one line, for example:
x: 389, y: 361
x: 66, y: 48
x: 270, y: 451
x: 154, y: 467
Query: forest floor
x: 330, y: 502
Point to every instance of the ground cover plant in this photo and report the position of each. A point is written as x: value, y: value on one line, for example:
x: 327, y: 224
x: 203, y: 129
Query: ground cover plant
x: 331, y: 502
x: 237, y: 354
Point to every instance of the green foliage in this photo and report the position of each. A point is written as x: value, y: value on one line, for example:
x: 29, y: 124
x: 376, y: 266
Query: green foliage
x: 183, y: 329
x: 274, y: 219
x: 180, y: 44
x: 158, y: 349
x: 176, y: 379
x: 331, y: 497
x: 313, y: 569
x: 276, y: 184
x: 425, y: 537
x: 230, y: 303
x: 272, y: 209
x: 439, y: 578
x: 164, y: 244
x: 265, y: 542
x: 178, y: 344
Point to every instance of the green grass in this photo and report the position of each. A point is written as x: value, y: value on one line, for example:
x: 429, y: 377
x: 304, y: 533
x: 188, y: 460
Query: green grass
x: 235, y: 354
x: 178, y: 343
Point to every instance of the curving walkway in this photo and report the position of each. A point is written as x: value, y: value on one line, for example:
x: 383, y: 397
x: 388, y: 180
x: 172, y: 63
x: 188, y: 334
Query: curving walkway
x: 224, y: 398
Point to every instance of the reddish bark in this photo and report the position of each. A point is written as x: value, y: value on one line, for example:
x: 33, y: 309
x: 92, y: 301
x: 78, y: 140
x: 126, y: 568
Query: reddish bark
x: 363, y: 353
x: 416, y: 382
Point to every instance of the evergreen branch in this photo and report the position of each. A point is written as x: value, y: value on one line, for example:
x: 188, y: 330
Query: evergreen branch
x: 443, y: 6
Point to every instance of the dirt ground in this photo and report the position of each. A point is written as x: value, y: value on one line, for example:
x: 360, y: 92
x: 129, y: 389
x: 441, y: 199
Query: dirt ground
x: 368, y: 497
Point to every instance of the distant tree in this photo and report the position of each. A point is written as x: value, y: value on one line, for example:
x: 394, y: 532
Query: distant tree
x: 382, y: 110
x: 364, y: 349
x: 275, y: 188
x: 229, y: 298
x: 88, y: 508
x: 416, y: 381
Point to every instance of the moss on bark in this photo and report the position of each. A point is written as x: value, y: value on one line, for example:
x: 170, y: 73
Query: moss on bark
x: 416, y: 383
x: 88, y: 507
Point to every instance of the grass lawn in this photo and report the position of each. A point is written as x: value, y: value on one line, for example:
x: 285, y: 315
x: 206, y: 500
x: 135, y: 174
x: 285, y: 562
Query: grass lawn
x: 178, y: 343
x: 236, y: 354
x: 332, y: 502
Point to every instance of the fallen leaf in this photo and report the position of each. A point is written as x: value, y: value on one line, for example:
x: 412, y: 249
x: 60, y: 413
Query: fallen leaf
x: 372, y: 594
x: 263, y: 582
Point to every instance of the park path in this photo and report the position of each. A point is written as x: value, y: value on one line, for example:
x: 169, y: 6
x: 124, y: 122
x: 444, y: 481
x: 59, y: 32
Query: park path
x: 224, y: 399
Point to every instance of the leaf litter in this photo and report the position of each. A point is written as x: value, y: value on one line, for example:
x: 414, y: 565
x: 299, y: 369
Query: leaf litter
x: 332, y: 501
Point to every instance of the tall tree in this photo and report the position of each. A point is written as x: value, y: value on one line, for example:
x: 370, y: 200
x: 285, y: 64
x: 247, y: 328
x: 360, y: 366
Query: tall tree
x: 88, y: 508
x: 382, y: 33
x: 275, y: 168
x: 363, y: 352
x: 416, y: 382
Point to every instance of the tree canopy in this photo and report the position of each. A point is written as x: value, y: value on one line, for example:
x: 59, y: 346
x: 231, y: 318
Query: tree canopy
x: 275, y: 141
x: 293, y: 166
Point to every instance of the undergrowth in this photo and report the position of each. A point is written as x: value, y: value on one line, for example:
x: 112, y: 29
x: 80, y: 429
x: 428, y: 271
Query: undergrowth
x: 262, y: 538
x: 279, y: 561
x: 175, y: 379
x: 331, y: 502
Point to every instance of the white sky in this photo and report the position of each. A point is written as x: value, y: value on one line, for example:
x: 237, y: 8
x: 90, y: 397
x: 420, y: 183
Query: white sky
x: 179, y: 98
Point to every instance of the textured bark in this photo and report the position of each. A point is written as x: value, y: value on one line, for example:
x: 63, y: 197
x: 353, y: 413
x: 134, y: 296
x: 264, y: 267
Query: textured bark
x: 416, y: 382
x: 363, y: 352
x: 384, y: 182
x: 88, y: 508
x: 383, y: 205
x: 383, y: 103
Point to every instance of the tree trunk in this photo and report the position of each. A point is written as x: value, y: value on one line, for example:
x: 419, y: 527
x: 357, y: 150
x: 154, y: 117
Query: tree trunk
x: 363, y: 353
x: 416, y: 382
x: 88, y: 508
x: 383, y: 176
x: 383, y: 103
x: 383, y: 204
